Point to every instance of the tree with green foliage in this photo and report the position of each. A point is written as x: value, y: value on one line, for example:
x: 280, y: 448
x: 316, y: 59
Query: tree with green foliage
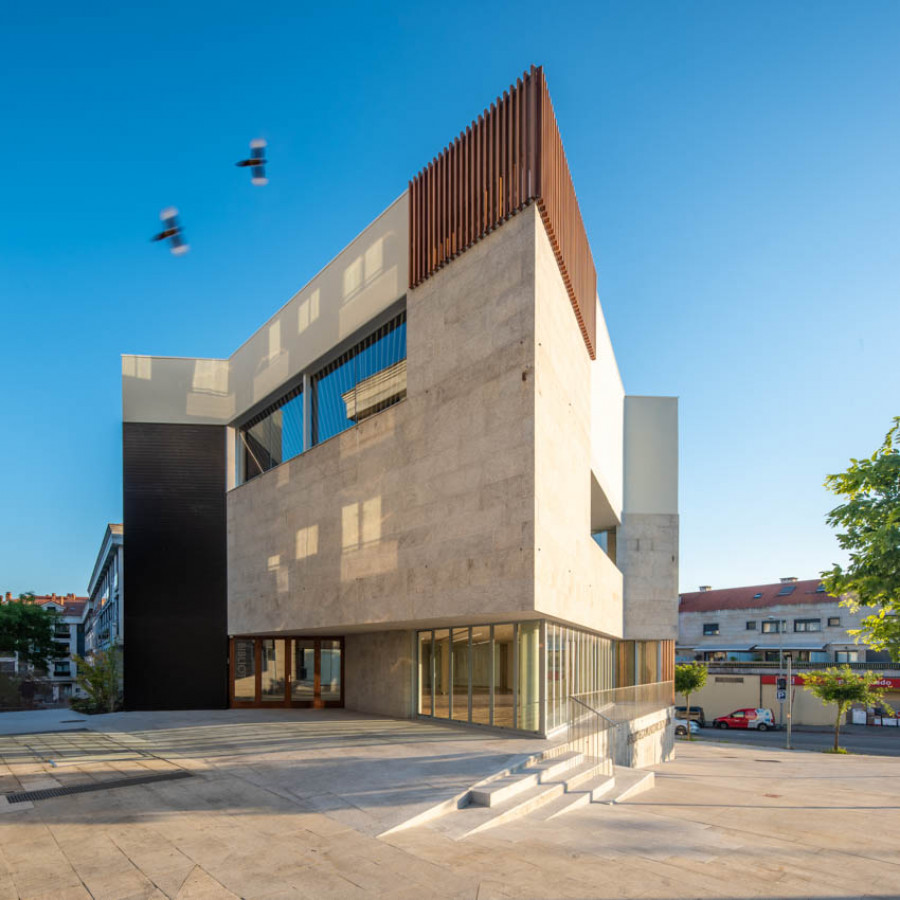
x: 870, y: 523
x: 843, y: 687
x: 100, y: 678
x: 28, y: 630
x: 689, y: 678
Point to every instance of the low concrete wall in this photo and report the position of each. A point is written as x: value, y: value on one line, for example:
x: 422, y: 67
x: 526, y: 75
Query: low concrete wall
x: 378, y: 673
x: 724, y: 693
x: 645, y: 741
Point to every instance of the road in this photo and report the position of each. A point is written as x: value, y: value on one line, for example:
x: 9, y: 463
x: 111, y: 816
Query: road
x: 855, y: 738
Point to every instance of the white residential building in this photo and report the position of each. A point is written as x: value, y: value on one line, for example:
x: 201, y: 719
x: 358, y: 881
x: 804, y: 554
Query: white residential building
x: 104, y: 625
x: 759, y: 622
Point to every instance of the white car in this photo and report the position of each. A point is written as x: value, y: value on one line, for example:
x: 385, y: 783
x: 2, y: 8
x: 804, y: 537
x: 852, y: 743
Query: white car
x: 681, y: 727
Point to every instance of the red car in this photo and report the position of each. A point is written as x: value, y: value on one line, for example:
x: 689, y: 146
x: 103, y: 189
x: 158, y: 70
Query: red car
x: 760, y: 719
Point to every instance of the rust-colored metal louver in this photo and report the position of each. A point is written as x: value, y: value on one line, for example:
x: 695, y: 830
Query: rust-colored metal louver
x: 510, y: 156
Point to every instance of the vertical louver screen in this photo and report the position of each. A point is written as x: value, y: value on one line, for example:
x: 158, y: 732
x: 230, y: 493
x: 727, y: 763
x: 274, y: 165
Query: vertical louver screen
x: 510, y: 156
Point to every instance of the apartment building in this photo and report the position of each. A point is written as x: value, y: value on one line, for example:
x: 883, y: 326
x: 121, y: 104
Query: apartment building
x: 58, y: 683
x: 419, y: 489
x: 104, y: 626
x: 761, y: 622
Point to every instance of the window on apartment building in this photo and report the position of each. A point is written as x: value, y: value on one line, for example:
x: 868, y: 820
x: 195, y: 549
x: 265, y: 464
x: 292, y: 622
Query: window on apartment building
x: 834, y: 621
x: 770, y: 627
x: 710, y: 628
x: 807, y: 624
x: 362, y: 381
x: 846, y: 656
x: 751, y: 626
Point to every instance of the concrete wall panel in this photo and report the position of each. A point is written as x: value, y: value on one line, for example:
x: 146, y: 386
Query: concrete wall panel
x: 362, y: 281
x: 574, y: 579
x: 425, y: 511
x: 378, y: 673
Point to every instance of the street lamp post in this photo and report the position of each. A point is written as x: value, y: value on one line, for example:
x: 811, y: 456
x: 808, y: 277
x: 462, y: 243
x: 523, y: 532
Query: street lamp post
x: 781, y: 624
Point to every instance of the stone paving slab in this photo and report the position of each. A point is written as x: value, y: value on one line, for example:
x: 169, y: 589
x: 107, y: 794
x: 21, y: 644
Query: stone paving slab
x: 256, y: 822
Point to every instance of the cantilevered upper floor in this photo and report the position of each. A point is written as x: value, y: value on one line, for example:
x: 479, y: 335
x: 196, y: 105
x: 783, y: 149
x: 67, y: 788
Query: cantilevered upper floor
x: 434, y: 428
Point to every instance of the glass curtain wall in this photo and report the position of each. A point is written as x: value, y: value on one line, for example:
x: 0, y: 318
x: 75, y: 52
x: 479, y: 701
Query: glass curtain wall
x: 486, y: 674
x: 504, y: 676
x: 274, y: 435
x: 481, y: 652
x: 496, y: 674
x: 578, y: 662
x: 362, y: 381
x: 460, y: 675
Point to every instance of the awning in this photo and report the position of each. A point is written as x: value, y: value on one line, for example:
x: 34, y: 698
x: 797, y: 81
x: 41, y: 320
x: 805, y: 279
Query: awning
x: 790, y: 645
x: 721, y: 648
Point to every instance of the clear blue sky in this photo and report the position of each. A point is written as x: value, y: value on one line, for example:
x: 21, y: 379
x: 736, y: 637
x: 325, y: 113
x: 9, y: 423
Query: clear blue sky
x: 737, y: 165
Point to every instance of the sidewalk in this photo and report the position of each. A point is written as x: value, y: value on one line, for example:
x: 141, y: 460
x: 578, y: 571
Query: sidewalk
x: 30, y: 721
x: 254, y: 820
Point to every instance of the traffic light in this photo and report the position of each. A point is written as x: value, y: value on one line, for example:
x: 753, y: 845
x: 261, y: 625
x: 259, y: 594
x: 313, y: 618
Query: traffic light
x: 781, y: 684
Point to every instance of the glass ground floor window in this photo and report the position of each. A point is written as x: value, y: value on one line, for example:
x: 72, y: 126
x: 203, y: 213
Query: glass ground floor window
x: 521, y: 675
x: 484, y: 674
x: 294, y: 671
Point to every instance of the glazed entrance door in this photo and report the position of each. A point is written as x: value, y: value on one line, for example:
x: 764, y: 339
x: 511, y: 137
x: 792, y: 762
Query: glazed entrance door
x: 277, y: 671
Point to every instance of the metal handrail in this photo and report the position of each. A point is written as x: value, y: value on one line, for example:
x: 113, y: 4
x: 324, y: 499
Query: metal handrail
x: 592, y: 726
x: 595, y: 711
x: 589, y: 731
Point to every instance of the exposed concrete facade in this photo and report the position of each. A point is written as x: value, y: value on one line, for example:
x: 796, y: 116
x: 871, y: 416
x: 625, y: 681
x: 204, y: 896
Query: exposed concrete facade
x: 472, y: 497
x: 379, y: 672
x: 426, y: 510
x: 360, y: 282
x: 575, y: 581
x: 647, y: 544
x: 506, y: 480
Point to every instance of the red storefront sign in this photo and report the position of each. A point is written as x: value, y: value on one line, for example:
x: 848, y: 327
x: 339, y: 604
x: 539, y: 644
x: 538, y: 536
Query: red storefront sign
x: 892, y: 684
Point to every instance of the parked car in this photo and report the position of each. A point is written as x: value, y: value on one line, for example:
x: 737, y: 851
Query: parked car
x: 695, y: 715
x: 760, y: 719
x: 681, y: 727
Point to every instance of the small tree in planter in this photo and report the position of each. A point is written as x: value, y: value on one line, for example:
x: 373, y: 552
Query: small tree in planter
x: 99, y: 678
x: 689, y: 678
x: 843, y: 687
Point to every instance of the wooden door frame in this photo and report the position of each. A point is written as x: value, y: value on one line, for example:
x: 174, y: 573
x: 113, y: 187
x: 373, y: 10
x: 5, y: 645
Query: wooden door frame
x: 287, y: 702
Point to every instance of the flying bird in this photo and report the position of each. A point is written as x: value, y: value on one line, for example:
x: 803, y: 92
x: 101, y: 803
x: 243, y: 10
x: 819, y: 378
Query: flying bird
x: 172, y: 231
x: 257, y: 161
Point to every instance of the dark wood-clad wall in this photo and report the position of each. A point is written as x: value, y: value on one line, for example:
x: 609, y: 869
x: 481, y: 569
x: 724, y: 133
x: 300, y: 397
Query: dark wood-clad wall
x: 509, y: 157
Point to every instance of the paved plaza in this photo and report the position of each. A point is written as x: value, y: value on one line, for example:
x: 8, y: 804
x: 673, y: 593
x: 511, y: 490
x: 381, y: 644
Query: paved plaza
x: 290, y: 804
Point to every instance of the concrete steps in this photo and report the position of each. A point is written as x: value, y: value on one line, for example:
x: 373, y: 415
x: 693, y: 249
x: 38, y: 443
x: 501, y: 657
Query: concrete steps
x: 629, y: 783
x: 544, y: 772
x: 544, y: 787
x: 551, y: 784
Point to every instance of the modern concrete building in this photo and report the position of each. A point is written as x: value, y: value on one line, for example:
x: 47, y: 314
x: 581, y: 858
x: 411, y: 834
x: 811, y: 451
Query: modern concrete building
x: 419, y: 488
x: 104, y: 625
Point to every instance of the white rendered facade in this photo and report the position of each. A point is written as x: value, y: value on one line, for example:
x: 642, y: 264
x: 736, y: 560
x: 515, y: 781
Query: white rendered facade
x: 104, y: 623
